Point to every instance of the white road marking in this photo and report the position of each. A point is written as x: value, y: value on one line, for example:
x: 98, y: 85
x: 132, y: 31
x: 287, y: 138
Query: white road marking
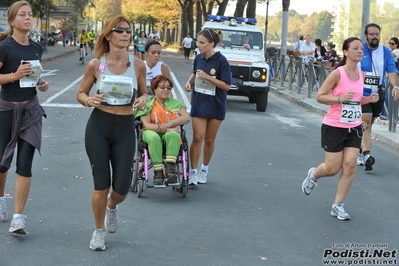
x: 186, y: 101
x: 65, y: 105
x: 62, y: 91
x: 289, y: 121
x: 46, y: 73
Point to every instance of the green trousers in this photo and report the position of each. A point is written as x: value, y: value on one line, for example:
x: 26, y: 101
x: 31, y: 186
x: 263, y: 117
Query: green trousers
x: 155, y: 143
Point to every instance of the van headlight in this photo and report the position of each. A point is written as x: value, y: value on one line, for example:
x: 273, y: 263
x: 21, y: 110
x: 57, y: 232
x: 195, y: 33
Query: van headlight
x: 256, y: 74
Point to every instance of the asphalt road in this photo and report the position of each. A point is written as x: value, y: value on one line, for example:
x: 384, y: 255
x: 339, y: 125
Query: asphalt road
x: 251, y: 211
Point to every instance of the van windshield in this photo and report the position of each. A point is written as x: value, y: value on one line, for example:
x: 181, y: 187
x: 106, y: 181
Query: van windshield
x: 240, y: 38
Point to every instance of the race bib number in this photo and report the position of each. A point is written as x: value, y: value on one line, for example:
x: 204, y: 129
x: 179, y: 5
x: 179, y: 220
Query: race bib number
x: 205, y: 87
x: 371, y: 81
x: 118, y: 90
x: 32, y: 80
x: 351, y: 112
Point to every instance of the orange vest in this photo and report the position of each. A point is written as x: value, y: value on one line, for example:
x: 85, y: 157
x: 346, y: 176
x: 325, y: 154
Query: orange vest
x: 160, y: 115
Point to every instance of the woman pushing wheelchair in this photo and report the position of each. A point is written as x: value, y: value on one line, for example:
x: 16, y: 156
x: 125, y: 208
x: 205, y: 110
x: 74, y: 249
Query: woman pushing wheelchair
x: 161, y: 119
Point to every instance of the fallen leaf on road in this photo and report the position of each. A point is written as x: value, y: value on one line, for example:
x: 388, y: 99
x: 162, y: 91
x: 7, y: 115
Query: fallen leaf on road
x: 263, y: 258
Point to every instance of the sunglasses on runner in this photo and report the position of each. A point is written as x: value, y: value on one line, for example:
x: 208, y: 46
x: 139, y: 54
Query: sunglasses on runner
x: 121, y: 30
x: 392, y: 43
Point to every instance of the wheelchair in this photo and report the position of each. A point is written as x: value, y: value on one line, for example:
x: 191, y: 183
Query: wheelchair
x: 142, y: 165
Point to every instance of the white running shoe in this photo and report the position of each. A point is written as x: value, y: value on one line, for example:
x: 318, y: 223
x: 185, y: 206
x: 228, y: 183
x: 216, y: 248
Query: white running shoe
x: 98, y: 240
x: 339, y: 212
x: 3, y: 211
x: 193, y: 179
x: 360, y: 160
x: 18, y: 225
x: 111, y: 220
x: 308, y: 184
x: 202, y: 177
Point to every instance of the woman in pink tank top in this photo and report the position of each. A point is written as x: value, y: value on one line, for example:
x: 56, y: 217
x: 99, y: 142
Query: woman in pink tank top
x: 342, y: 125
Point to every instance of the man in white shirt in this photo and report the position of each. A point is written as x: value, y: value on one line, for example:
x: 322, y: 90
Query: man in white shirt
x: 154, y: 35
x: 307, y: 49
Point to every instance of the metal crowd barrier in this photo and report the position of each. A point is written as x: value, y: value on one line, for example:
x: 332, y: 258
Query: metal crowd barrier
x: 294, y: 73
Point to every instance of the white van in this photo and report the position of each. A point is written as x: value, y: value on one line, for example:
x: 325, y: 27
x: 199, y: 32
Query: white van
x: 243, y: 46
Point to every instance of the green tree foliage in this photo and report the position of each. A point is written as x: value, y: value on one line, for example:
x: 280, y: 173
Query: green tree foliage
x: 350, y: 22
x: 323, y: 25
x: 38, y: 6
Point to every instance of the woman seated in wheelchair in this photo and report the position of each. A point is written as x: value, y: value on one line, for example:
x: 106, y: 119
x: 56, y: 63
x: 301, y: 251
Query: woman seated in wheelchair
x: 160, y: 119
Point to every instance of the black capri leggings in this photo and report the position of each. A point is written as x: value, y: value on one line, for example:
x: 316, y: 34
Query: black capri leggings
x: 187, y: 52
x: 25, y: 151
x: 110, y: 142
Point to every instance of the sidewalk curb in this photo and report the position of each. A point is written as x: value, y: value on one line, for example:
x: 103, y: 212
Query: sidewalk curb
x: 298, y: 100
x: 383, y: 139
x: 304, y: 102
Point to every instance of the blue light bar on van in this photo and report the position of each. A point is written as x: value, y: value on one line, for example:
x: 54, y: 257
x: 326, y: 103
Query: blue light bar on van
x: 251, y: 21
x: 217, y: 18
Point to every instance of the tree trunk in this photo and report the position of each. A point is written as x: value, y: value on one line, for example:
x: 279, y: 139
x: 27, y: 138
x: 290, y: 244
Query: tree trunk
x: 251, y: 9
x: 240, y: 6
x: 190, y: 17
x: 165, y: 35
x: 222, y: 7
x: 182, y: 31
x: 198, y: 17
x: 209, y: 8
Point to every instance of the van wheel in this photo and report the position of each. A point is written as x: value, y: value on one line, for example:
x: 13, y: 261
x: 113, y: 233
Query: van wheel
x: 261, y: 104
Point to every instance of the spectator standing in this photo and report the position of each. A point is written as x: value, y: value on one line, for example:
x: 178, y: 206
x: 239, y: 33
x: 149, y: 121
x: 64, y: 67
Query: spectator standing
x: 71, y: 36
x: 110, y: 135
x: 64, y: 33
x: 377, y: 62
x: 307, y: 50
x: 331, y: 54
x: 394, y: 46
x: 186, y: 44
x: 20, y: 110
x: 341, y: 135
x: 212, y: 76
x: 320, y: 50
x: 298, y: 45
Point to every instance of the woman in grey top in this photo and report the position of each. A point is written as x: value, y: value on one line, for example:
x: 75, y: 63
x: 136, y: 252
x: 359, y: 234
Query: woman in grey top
x: 110, y: 136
